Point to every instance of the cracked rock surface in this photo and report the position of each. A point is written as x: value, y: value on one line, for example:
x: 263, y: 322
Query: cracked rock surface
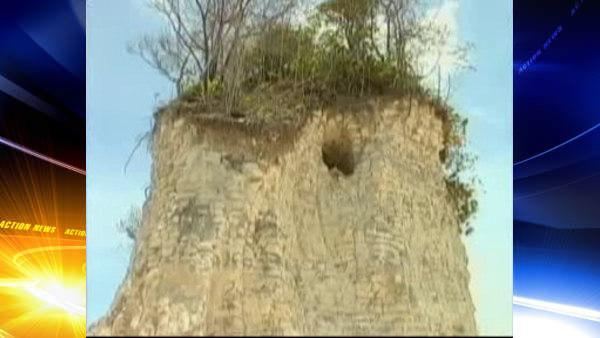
x: 347, y: 230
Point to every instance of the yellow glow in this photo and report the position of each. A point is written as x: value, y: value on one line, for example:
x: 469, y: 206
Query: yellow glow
x: 4, y: 334
x: 18, y: 258
x: 46, y: 291
x: 53, y: 292
x: 71, y: 300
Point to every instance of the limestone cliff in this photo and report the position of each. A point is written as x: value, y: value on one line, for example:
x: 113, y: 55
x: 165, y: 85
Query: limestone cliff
x: 342, y: 225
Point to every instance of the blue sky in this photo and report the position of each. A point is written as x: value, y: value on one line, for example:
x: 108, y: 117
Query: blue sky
x: 122, y: 92
x: 485, y: 97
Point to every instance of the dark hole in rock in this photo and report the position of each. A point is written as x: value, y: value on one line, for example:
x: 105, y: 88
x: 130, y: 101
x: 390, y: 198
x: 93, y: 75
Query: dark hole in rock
x: 443, y: 155
x: 338, y: 154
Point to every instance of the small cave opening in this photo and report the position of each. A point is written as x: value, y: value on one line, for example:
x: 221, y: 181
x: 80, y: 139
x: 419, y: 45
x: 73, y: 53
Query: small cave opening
x: 337, y: 153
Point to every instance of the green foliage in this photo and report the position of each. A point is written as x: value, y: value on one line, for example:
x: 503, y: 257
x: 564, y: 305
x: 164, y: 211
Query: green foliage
x: 210, y: 88
x: 458, y: 161
x: 278, y: 54
x: 354, y: 21
x: 195, y: 90
x: 463, y: 197
x: 336, y: 51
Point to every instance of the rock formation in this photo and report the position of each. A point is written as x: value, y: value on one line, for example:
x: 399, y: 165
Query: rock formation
x: 342, y: 225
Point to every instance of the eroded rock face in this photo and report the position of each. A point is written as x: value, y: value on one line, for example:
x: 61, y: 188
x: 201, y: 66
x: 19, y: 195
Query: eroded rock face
x: 347, y: 230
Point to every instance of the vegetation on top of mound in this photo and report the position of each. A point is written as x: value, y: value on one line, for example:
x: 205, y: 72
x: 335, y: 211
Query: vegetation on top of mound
x: 226, y: 49
x: 458, y: 161
x: 268, y: 60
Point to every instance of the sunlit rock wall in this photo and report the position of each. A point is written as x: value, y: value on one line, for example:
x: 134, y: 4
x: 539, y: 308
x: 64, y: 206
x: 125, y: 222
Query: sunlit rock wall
x: 341, y: 227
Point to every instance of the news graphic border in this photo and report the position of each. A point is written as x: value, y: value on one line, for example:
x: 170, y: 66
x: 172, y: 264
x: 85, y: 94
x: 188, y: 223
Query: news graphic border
x: 548, y: 42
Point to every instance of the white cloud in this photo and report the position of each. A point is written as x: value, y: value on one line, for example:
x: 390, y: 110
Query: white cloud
x: 437, y: 57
